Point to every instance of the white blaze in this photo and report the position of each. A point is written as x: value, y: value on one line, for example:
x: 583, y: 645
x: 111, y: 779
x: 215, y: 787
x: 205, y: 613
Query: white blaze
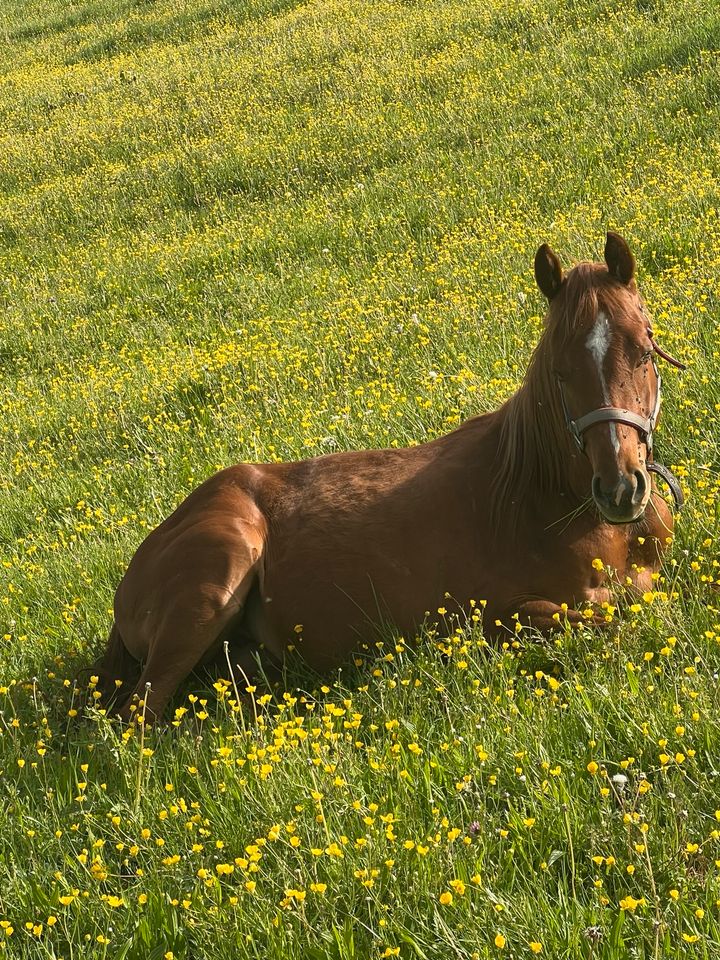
x: 598, y: 342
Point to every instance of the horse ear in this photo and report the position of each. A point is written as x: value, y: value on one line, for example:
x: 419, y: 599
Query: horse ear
x: 548, y: 271
x: 619, y: 259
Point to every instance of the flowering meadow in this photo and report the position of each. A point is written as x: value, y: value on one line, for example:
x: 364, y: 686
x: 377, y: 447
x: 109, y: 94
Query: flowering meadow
x: 265, y: 230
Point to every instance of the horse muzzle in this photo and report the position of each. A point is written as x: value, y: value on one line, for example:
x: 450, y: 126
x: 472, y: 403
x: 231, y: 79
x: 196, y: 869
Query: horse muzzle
x: 626, y: 500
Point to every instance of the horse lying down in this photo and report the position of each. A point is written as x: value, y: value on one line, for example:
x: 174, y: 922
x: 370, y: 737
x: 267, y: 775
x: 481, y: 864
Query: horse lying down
x: 493, y: 510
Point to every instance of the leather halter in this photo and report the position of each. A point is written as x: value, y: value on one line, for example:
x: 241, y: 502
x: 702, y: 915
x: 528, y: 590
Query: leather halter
x: 644, y: 425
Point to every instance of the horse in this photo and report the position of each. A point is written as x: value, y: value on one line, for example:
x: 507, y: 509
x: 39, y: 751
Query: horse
x: 505, y: 514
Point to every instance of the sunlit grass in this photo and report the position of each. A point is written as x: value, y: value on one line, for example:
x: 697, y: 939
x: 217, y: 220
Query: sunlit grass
x: 268, y: 231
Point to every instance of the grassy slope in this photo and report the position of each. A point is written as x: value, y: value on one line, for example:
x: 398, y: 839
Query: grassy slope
x: 271, y: 230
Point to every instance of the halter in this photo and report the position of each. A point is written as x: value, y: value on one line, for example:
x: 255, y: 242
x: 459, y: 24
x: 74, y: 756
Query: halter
x: 644, y: 425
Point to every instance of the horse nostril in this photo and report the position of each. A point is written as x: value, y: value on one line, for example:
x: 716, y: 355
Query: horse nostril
x: 597, y: 490
x: 641, y: 481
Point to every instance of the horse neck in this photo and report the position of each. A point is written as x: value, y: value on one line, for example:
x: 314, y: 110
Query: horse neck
x: 538, y: 463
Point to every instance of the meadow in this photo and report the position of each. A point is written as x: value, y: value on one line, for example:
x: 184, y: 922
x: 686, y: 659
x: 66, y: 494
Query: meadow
x: 265, y: 230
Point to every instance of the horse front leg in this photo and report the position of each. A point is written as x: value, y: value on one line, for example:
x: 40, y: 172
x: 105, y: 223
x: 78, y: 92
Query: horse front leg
x: 545, y: 616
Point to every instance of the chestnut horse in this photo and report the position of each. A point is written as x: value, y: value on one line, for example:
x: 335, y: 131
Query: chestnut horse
x: 510, y: 508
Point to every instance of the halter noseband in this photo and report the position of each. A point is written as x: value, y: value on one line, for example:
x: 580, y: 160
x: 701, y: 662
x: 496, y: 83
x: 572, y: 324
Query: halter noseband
x: 644, y: 425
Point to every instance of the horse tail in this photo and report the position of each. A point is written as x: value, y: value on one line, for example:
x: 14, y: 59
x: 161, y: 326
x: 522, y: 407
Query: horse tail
x: 116, y: 664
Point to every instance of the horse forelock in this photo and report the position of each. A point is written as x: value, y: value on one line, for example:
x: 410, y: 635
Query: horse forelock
x: 587, y: 289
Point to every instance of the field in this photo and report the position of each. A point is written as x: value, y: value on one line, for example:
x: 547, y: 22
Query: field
x: 267, y: 230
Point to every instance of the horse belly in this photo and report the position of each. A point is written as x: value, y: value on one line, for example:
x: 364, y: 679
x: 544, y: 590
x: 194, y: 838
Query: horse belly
x: 343, y: 599
x: 318, y: 619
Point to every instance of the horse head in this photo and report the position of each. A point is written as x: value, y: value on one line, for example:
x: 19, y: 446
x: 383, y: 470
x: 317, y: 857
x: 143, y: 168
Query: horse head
x: 602, y: 359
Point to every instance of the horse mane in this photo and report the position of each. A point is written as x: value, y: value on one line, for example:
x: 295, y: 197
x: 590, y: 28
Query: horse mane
x: 535, y: 443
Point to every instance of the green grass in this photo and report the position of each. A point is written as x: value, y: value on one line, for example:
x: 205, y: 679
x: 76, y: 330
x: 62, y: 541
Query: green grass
x: 269, y: 230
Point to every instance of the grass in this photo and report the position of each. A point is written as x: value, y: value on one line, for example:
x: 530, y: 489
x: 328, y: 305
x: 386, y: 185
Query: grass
x: 271, y: 230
